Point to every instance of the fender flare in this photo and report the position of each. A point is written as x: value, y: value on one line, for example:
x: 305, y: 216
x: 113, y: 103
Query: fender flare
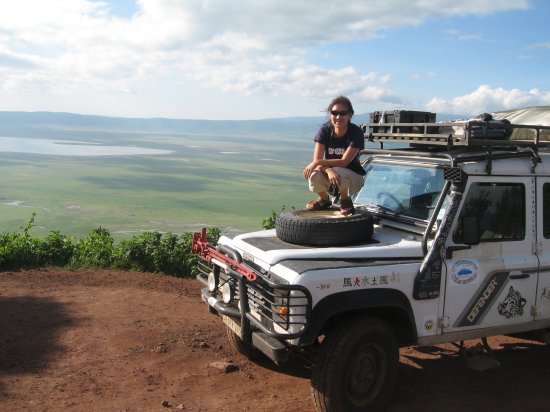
x: 388, y: 304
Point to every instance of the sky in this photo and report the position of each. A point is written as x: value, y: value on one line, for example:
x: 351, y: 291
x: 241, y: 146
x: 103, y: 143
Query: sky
x: 256, y: 59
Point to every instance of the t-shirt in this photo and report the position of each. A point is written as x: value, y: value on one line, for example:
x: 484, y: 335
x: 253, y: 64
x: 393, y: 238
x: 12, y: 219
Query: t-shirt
x: 336, y: 146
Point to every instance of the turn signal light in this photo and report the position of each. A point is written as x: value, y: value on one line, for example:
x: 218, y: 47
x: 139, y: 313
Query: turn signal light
x: 283, y: 311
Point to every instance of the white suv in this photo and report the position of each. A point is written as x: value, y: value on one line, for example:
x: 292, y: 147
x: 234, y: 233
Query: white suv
x: 456, y: 247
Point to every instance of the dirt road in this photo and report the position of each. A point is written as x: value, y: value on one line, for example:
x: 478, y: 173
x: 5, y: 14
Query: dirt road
x: 120, y: 341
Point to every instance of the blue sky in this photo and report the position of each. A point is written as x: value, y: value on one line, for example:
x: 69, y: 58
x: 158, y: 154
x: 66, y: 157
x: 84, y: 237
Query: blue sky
x: 250, y: 59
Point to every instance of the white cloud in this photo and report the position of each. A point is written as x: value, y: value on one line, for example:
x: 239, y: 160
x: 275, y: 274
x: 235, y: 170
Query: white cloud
x: 426, y: 75
x: 542, y: 45
x: 488, y: 99
x: 251, y: 47
x: 461, y: 36
x: 14, y: 60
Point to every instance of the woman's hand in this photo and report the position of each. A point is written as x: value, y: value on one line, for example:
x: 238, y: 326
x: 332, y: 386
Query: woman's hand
x: 310, y: 168
x: 333, y: 178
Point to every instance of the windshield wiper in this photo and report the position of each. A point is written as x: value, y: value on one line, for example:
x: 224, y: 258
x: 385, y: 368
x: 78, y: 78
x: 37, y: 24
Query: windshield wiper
x: 381, y: 209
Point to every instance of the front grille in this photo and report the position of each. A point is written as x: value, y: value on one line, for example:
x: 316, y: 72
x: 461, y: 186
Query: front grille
x: 281, y: 307
x: 278, y: 309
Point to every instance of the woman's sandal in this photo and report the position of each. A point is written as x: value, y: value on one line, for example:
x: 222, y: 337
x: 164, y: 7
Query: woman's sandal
x: 346, y: 207
x: 318, y: 204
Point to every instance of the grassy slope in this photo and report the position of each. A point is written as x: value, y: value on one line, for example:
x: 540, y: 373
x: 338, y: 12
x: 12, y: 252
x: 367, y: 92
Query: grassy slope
x: 195, y: 185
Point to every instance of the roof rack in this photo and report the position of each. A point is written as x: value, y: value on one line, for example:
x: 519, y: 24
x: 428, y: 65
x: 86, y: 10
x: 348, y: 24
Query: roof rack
x: 463, y: 133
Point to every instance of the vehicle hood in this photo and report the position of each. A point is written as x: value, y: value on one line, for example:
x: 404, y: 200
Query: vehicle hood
x: 264, y: 246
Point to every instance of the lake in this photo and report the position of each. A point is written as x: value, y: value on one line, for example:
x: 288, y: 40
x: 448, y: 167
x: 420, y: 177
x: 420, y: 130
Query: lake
x: 71, y: 148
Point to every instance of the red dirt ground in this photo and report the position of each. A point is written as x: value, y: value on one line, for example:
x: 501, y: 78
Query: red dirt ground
x: 120, y: 341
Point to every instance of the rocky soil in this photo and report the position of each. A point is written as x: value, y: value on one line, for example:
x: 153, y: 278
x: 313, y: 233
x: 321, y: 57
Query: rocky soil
x: 120, y: 341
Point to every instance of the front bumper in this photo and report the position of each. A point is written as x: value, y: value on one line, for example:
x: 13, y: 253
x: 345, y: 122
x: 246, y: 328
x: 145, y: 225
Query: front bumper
x: 263, y: 310
x: 274, y: 349
x: 263, y: 313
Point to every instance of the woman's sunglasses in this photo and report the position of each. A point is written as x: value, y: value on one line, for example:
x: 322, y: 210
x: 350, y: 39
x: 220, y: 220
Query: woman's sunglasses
x: 335, y: 113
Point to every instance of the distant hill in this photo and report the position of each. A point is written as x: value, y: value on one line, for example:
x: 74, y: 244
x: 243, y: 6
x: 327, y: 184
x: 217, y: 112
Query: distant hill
x: 44, y: 123
x: 53, y: 124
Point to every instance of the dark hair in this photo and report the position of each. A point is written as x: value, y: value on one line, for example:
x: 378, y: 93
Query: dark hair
x: 340, y: 100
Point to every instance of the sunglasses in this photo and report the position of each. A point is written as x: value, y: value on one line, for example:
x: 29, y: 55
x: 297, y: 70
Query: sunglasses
x: 335, y: 113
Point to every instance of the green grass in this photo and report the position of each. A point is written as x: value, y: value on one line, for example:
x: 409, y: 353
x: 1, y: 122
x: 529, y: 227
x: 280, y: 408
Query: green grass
x: 194, y: 186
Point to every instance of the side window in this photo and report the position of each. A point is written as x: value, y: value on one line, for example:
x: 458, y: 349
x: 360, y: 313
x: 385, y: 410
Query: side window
x: 546, y: 210
x: 500, y: 208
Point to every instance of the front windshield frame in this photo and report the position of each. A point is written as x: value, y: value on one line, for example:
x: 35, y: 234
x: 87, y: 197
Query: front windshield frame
x: 401, y: 189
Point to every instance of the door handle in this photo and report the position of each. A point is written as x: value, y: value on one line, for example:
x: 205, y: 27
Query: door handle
x: 518, y: 274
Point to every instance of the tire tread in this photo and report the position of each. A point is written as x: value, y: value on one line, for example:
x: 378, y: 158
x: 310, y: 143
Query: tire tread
x: 323, y: 376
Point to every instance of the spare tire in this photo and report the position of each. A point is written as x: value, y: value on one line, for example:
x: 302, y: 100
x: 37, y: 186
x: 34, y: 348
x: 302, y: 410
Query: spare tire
x: 323, y: 228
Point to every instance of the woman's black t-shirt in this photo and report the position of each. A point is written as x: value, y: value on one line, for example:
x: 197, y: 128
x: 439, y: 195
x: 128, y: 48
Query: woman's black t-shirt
x: 336, y: 146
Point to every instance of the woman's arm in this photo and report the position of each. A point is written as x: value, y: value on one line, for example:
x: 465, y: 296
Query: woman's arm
x: 318, y: 155
x: 348, y: 156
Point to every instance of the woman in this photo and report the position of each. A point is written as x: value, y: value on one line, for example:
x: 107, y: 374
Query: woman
x: 335, y: 161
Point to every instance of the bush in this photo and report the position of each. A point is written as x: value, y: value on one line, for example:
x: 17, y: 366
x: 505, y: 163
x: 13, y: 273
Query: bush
x: 95, y: 251
x: 20, y: 250
x: 58, y: 249
x: 159, y: 253
x: 269, y: 222
x: 154, y: 252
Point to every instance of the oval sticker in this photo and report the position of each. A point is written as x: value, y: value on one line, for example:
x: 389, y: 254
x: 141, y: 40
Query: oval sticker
x: 464, y: 272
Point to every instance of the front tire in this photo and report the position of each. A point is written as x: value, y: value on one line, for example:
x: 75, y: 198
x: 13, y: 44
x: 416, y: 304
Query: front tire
x: 356, y: 368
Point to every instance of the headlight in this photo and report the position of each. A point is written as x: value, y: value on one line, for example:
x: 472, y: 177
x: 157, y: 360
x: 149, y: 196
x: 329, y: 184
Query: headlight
x: 227, y: 293
x: 212, y: 282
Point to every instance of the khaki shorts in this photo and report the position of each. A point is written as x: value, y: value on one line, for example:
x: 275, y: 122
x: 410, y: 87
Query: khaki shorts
x: 318, y: 181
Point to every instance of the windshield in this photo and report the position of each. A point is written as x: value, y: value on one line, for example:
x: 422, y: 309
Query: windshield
x: 401, y: 189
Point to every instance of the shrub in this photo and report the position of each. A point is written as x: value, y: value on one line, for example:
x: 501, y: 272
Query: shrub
x: 269, y: 222
x: 95, y: 250
x: 158, y: 253
x: 57, y: 249
x: 154, y: 252
x: 20, y: 250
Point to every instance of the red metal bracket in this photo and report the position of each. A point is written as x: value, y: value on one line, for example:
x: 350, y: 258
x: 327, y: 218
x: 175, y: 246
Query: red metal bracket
x: 201, y: 247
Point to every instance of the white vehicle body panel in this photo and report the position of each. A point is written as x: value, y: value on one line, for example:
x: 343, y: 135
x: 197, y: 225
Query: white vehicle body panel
x: 542, y: 304
x: 479, y: 280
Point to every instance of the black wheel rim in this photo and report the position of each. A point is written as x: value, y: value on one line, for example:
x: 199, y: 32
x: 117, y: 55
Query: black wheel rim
x: 365, y: 374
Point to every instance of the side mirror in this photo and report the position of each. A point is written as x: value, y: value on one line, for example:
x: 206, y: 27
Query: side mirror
x: 470, y: 230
